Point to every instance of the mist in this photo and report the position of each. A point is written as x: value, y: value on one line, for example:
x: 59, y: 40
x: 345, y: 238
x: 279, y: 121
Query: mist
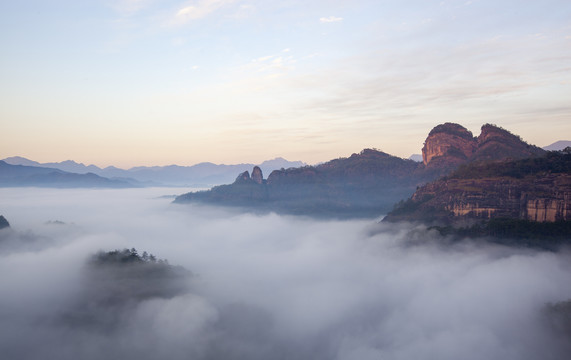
x: 268, y: 286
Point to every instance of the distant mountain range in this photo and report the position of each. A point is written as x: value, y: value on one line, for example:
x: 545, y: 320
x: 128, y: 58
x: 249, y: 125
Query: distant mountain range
x: 200, y: 175
x: 558, y: 145
x: 21, y: 176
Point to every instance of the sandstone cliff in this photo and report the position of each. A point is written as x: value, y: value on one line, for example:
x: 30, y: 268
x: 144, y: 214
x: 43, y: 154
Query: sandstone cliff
x: 534, y: 189
x: 450, y: 145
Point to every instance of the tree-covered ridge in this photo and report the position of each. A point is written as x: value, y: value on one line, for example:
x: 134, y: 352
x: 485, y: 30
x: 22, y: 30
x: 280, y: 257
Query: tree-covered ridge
x: 553, y: 162
x: 545, y: 235
x: 362, y: 185
x: 125, y: 256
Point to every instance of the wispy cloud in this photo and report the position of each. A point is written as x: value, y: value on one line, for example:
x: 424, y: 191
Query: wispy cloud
x: 272, y: 63
x: 330, y: 19
x: 199, y: 9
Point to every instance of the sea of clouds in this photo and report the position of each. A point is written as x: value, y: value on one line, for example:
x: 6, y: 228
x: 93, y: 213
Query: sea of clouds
x: 270, y: 286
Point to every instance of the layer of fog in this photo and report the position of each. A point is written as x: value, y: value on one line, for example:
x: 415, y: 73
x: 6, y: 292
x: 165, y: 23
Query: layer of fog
x: 269, y: 286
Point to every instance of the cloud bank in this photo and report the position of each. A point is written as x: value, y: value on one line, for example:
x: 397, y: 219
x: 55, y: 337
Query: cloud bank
x: 268, y: 286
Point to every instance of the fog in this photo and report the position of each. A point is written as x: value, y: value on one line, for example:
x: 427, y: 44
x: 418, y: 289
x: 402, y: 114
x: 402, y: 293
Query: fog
x: 268, y: 286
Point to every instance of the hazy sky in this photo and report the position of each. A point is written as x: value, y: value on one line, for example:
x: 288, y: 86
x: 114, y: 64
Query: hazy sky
x: 148, y: 82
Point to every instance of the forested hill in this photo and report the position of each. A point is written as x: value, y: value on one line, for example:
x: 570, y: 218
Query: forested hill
x: 362, y: 185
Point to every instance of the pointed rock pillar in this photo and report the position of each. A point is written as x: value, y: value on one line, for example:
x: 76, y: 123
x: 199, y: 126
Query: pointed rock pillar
x: 257, y: 175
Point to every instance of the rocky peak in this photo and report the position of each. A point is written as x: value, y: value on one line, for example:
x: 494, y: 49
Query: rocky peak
x: 448, y: 144
x: 495, y: 143
x: 243, y: 177
x: 257, y: 175
x: 3, y: 222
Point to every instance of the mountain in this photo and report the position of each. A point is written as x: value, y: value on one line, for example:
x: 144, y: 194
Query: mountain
x: 450, y: 145
x: 20, y: 175
x: 68, y: 165
x: 416, y: 157
x: 558, y: 145
x: 362, y: 185
x: 369, y: 183
x: 480, y: 196
x: 201, y: 175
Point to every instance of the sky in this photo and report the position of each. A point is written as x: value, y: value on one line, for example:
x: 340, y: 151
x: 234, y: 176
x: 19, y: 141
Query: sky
x: 148, y: 82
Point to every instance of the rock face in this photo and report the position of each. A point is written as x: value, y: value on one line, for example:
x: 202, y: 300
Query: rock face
x: 534, y: 189
x: 448, y: 144
x: 495, y: 143
x: 546, y: 198
x: 3, y: 222
x: 257, y: 175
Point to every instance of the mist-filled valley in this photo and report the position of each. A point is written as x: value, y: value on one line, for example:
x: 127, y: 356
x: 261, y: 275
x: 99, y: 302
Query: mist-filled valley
x: 262, y: 286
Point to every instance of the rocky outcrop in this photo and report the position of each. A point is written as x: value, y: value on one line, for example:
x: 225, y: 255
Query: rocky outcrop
x: 495, y: 143
x: 243, y: 177
x: 536, y: 190
x: 448, y: 145
x: 3, y: 222
x: 257, y: 176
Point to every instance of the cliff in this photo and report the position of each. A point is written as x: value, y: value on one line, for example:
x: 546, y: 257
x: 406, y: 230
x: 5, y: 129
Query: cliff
x: 448, y: 145
x: 451, y: 145
x: 533, y: 189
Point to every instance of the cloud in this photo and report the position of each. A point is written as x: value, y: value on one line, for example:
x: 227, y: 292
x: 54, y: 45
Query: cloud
x: 275, y: 64
x: 268, y: 286
x: 199, y: 9
x: 330, y: 19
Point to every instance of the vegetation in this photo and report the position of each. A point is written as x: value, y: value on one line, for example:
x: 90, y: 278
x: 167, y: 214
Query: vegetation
x: 362, y: 185
x: 553, y: 162
x: 120, y: 275
x: 453, y: 129
x: 547, y: 235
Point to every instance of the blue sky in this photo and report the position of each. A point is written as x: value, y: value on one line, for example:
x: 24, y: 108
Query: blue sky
x: 144, y: 82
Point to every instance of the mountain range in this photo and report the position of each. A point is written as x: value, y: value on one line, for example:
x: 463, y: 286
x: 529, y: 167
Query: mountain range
x: 369, y: 183
x: 22, y: 176
x: 200, y: 175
